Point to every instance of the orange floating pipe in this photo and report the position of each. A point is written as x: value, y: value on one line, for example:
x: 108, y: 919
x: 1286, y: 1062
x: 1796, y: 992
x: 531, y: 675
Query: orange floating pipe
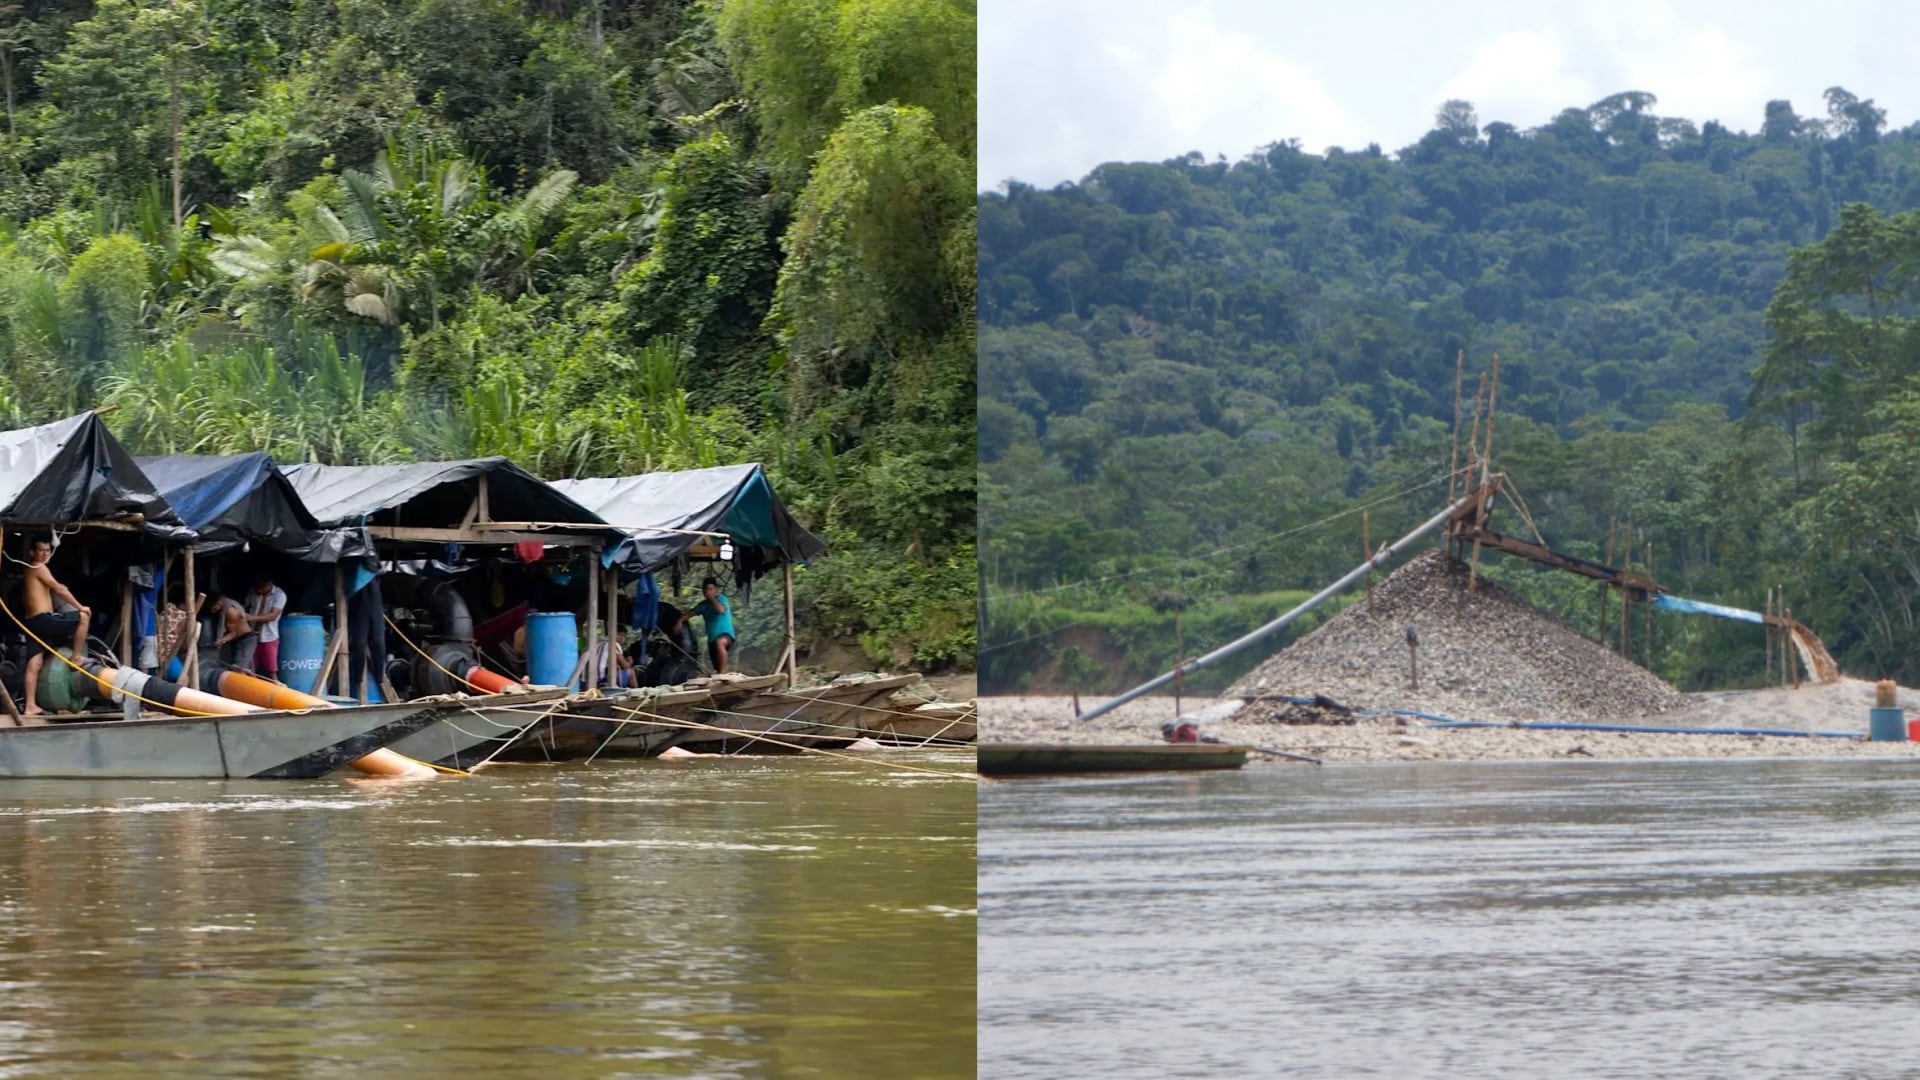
x: 491, y: 681
x: 254, y: 690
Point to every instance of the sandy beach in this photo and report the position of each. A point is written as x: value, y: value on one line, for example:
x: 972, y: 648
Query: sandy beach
x: 1838, y: 706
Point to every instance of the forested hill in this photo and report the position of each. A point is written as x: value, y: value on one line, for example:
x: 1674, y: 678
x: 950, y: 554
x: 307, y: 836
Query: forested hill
x: 596, y: 236
x: 1181, y: 360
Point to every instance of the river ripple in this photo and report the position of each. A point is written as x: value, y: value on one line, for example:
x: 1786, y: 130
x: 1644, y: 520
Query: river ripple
x: 1677, y: 919
x: 759, y: 917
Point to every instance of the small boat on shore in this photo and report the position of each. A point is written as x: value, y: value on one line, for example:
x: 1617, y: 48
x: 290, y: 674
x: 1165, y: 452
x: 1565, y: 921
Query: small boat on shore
x: 937, y: 723
x: 247, y: 746
x: 1057, y: 759
x: 633, y: 723
x: 819, y: 717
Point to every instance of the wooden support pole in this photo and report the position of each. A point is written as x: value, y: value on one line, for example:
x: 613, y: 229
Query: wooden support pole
x: 1453, y: 468
x: 1493, y: 399
x: 593, y: 615
x: 791, y: 659
x: 1795, y: 668
x: 486, y: 513
x: 191, y: 598
x: 6, y: 698
x: 126, y: 621
x: 335, y: 646
x: 1646, y: 609
x: 341, y: 686
x: 1366, y: 552
x: 1611, y: 524
x: 1767, y: 677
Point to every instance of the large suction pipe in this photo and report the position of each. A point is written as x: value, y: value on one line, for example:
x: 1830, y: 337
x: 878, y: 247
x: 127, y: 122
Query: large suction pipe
x: 1312, y: 602
x: 237, y: 687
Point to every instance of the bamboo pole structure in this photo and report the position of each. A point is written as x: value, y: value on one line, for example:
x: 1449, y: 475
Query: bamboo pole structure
x: 1305, y: 606
x: 191, y: 598
x: 1486, y: 475
x: 1611, y: 524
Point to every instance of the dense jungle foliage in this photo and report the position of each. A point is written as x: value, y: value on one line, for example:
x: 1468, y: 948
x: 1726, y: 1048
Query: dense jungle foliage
x: 1705, y: 334
x: 596, y: 236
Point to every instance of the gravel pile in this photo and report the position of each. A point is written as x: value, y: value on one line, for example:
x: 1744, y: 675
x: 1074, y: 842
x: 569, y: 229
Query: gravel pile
x: 1484, y: 655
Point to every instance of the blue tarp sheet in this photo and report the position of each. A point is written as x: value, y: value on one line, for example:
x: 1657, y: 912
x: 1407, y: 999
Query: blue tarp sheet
x: 735, y: 500
x: 233, y: 499
x: 1683, y: 606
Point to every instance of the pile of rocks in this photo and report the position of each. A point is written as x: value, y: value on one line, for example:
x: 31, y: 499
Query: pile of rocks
x: 1483, y: 655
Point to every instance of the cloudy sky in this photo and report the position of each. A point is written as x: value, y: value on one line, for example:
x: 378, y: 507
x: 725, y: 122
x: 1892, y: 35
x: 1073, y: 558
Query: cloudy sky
x: 1068, y: 84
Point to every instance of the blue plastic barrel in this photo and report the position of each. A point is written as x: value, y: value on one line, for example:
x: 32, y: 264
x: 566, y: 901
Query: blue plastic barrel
x: 553, y: 647
x: 303, y: 644
x: 1886, y: 725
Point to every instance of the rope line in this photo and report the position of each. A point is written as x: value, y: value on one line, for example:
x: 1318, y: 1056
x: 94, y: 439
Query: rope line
x: 668, y: 721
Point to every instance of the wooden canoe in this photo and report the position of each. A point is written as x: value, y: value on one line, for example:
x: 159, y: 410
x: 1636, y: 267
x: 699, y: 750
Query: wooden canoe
x: 1054, y: 759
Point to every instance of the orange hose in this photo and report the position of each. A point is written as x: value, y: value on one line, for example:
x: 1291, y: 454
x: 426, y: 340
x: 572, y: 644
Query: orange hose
x: 491, y: 681
x: 268, y: 695
x: 202, y: 703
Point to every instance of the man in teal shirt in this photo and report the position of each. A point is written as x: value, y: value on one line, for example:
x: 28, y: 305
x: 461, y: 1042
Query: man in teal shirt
x: 718, y: 614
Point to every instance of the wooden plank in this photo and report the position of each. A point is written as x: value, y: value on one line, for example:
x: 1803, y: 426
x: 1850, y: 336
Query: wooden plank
x: 193, y: 599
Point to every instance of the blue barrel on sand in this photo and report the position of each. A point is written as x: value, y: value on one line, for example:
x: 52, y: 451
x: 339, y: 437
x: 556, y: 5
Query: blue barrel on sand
x: 553, y: 647
x: 303, y: 644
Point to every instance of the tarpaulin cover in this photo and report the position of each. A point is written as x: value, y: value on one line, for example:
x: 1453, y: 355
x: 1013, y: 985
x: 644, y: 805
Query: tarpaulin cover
x: 435, y: 495
x: 239, y: 498
x: 1684, y: 606
x: 75, y: 470
x: 733, y: 499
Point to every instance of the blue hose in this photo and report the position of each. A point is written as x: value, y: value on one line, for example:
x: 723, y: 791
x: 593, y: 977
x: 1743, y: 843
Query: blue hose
x: 1642, y: 729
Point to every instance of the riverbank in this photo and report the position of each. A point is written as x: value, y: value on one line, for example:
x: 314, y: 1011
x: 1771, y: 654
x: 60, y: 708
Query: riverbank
x: 1839, y: 706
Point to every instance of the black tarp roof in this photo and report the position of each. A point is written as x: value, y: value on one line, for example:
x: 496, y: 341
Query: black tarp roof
x: 74, y: 470
x: 436, y: 495
x: 232, y: 499
x: 736, y: 500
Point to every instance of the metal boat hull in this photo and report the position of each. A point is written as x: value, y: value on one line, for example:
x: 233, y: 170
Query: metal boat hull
x: 258, y: 746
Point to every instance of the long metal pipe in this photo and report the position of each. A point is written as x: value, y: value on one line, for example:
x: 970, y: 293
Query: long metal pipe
x: 1312, y: 602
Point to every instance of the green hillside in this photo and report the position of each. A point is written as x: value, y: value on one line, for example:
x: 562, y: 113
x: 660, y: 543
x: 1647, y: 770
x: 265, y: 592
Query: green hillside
x: 1703, y: 332
x: 596, y: 236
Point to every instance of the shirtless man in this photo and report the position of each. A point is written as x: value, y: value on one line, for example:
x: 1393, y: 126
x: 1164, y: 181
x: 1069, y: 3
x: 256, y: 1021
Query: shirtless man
x: 46, y: 624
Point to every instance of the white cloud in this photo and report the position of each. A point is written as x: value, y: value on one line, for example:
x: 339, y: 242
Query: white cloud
x: 1223, y: 91
x: 1704, y: 74
x: 1522, y: 78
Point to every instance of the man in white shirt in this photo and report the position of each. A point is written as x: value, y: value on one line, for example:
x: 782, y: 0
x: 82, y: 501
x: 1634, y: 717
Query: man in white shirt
x: 263, y: 613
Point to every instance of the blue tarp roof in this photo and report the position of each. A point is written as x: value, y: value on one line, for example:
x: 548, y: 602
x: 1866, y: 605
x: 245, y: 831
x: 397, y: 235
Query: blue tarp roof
x: 735, y: 500
x: 231, y: 499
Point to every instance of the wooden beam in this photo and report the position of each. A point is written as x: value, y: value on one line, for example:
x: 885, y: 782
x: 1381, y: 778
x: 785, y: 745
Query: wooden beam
x: 1639, y: 584
x: 476, y: 535
x: 126, y: 622
x: 790, y: 660
x: 480, y: 500
x: 593, y: 612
